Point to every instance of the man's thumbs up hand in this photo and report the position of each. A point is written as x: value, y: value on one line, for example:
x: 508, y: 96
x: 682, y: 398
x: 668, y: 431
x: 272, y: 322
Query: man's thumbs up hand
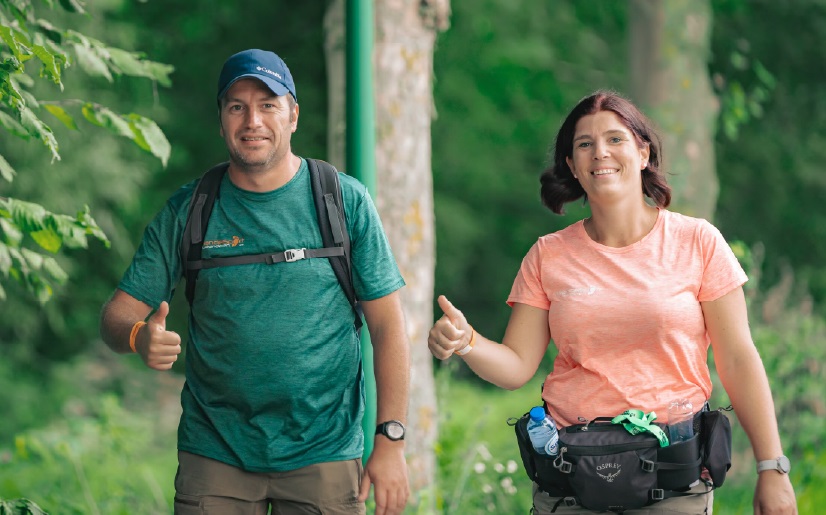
x: 158, y: 347
x: 449, y: 333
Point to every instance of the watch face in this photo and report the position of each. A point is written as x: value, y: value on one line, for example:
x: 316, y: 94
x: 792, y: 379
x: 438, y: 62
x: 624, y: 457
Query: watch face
x: 395, y: 431
x: 783, y: 464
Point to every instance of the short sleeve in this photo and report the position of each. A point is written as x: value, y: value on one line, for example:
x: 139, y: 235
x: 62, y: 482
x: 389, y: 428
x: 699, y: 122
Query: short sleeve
x: 527, y: 287
x: 722, y: 272
x: 375, y: 273
x: 156, y: 267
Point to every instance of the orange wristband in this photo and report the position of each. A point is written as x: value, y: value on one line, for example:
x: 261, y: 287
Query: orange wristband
x: 134, y: 334
x: 469, y: 347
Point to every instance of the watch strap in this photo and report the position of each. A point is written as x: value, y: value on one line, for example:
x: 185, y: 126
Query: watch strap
x: 775, y: 464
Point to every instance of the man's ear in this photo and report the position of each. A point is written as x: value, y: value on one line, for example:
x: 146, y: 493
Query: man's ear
x: 294, y: 119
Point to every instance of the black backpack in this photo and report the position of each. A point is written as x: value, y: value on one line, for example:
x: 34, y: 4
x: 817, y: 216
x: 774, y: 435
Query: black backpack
x: 331, y: 222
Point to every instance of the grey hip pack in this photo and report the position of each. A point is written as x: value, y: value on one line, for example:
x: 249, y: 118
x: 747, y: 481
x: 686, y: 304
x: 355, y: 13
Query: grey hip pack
x: 601, y: 466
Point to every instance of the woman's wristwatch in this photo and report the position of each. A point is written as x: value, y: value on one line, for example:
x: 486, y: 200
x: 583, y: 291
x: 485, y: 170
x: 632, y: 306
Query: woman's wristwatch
x: 780, y: 464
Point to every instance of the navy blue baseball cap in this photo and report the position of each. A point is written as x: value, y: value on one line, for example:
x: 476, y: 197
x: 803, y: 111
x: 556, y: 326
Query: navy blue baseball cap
x: 257, y: 64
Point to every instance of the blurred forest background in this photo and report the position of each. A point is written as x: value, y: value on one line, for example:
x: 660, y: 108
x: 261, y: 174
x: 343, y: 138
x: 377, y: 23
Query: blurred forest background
x: 83, y: 430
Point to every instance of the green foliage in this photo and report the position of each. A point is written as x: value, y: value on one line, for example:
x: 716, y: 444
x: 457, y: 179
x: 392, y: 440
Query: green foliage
x: 26, y: 39
x: 771, y: 179
x: 96, y: 456
x: 20, y: 507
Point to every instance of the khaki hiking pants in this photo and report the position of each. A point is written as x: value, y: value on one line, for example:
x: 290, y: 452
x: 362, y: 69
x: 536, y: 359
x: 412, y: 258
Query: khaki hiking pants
x: 208, y: 487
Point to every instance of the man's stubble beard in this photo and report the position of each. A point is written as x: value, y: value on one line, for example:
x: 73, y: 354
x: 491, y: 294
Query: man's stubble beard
x: 245, y: 165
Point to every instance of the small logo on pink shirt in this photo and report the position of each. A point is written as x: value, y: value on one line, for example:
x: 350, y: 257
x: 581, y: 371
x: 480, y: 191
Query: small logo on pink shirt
x: 578, y: 292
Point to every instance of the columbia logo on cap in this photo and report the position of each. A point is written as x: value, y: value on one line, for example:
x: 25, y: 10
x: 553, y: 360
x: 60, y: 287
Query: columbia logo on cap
x: 266, y: 70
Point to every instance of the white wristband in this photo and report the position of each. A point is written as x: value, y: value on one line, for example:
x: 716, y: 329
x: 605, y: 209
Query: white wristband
x: 469, y: 347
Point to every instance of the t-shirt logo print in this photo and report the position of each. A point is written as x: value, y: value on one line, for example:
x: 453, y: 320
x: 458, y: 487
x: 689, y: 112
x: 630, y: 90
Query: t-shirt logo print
x: 608, y: 468
x: 233, y: 241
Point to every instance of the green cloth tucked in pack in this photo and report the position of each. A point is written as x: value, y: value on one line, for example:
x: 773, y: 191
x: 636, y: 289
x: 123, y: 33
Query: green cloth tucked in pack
x: 636, y: 421
x: 273, y: 362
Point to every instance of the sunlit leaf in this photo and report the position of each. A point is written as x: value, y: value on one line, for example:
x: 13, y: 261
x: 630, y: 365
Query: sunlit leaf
x: 51, y: 64
x: 2, y: 293
x: 48, y: 239
x: 17, y: 42
x: 91, y: 62
x: 61, y: 114
x: 150, y: 137
x: 6, y: 171
x: 105, y: 117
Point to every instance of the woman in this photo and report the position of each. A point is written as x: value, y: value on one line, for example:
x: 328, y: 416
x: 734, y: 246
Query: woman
x: 632, y: 297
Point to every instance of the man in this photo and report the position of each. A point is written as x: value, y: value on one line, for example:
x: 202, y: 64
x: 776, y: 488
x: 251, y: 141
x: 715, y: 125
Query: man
x: 273, y: 398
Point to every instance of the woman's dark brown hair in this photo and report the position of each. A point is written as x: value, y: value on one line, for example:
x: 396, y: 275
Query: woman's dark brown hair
x: 558, y: 183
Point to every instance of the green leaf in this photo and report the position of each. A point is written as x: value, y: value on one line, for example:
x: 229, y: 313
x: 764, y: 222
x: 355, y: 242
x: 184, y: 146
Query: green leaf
x: 17, y: 42
x: 764, y: 75
x: 72, y: 232
x: 160, y: 72
x: 39, y: 130
x: 51, y: 64
x: 73, y: 6
x: 13, y: 126
x: 48, y: 239
x: 12, y: 235
x: 5, y: 260
x: 6, y: 171
x: 91, y: 62
x: 126, y: 62
x: 2, y: 293
x: 150, y: 137
x: 49, y: 30
x: 34, y: 259
x: 28, y: 216
x: 57, y: 273
x: 85, y: 218
x: 105, y: 117
x: 61, y: 114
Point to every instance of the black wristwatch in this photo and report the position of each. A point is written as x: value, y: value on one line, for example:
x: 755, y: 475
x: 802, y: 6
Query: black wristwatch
x: 392, y: 429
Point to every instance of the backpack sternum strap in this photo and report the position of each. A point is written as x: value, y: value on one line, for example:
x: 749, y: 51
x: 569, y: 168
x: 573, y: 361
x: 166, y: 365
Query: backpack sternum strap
x: 269, y: 258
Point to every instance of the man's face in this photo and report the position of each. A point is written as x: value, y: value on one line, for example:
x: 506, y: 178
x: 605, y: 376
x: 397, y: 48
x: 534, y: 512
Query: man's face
x: 256, y: 125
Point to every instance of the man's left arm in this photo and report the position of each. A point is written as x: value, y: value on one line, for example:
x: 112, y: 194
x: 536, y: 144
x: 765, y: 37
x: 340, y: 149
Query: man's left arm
x: 386, y: 468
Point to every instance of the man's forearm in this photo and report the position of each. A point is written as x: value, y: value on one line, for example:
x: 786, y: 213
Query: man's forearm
x: 117, y: 318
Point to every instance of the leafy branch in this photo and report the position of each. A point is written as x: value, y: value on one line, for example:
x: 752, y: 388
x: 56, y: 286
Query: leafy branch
x: 26, y: 40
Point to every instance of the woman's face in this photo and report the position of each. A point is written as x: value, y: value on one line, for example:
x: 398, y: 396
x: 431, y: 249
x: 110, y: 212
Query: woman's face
x: 606, y: 159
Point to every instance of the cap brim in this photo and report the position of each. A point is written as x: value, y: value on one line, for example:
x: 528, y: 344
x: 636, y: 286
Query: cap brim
x: 276, y: 87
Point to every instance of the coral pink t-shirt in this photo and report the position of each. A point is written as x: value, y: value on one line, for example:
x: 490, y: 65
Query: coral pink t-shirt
x: 627, y: 321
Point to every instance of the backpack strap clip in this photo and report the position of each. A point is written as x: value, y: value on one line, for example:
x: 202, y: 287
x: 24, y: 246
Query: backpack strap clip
x: 293, y: 255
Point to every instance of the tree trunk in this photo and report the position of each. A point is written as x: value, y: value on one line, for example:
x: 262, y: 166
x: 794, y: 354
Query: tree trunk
x: 403, y: 83
x: 670, y: 47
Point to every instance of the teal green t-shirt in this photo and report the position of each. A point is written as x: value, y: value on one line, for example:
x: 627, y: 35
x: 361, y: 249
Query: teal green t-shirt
x: 273, y: 362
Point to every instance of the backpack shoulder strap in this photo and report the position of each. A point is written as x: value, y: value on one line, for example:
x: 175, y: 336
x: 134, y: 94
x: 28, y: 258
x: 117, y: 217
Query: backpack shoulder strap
x: 197, y: 219
x: 332, y: 223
